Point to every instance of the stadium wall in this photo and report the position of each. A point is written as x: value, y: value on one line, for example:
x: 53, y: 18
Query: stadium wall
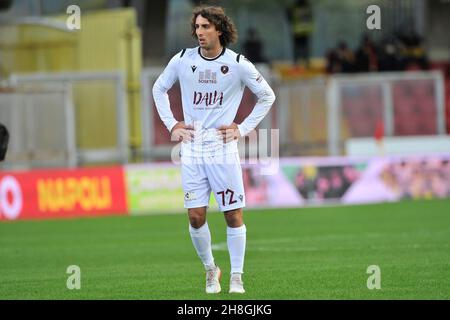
x: 156, y: 188
x: 108, y: 41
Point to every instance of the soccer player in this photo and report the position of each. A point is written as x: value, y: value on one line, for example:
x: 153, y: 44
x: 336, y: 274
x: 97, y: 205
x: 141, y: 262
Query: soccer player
x: 212, y: 80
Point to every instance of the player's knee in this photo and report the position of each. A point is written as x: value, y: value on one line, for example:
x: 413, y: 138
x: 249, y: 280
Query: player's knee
x: 197, y: 217
x: 234, y: 218
x: 197, y: 222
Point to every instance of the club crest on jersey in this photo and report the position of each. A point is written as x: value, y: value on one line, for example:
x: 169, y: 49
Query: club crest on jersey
x: 224, y: 69
x: 207, y: 76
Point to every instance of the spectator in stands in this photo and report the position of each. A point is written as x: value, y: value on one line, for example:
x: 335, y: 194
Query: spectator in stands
x: 390, y: 58
x: 300, y: 17
x: 404, y: 51
x: 366, y: 56
x: 413, y: 49
x: 345, y: 57
x: 333, y: 64
x: 253, y: 47
x: 341, y: 60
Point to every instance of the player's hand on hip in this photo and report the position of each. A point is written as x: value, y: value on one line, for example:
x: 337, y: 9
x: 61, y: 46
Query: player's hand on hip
x: 182, y: 132
x: 229, y: 133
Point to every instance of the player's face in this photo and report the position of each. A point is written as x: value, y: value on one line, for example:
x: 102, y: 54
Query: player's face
x: 208, y: 36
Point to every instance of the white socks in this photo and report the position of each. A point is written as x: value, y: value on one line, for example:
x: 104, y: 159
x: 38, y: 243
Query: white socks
x: 201, y: 238
x: 236, y: 239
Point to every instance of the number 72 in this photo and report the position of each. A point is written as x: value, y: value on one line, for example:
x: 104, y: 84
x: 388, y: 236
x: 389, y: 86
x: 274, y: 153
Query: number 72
x: 223, y: 193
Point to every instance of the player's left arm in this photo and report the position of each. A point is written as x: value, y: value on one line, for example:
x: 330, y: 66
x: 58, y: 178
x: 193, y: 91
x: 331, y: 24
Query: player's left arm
x: 266, y: 97
x: 259, y: 86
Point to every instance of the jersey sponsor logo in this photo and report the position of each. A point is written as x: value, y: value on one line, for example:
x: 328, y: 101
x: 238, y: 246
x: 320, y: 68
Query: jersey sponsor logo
x: 207, y: 76
x: 208, y: 98
x: 224, y: 69
x: 193, y: 68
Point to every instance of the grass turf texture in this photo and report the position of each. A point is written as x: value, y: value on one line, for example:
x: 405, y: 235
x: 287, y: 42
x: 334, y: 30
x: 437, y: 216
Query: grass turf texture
x: 305, y: 253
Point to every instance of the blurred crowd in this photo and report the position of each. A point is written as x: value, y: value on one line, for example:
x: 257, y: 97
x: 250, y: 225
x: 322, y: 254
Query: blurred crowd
x: 397, y: 53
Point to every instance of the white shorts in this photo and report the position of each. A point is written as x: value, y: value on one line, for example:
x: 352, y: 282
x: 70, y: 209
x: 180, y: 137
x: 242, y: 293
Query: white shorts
x: 220, y: 174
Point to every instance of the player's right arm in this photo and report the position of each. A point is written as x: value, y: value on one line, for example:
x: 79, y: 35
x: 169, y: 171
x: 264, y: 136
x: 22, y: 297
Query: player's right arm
x: 164, y: 82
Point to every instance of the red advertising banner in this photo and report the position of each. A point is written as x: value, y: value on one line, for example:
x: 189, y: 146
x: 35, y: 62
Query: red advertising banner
x: 41, y: 194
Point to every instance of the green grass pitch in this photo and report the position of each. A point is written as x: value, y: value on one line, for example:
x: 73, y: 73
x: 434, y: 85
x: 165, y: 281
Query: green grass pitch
x: 304, y: 253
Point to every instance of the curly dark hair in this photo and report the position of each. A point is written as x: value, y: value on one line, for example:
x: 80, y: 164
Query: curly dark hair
x: 216, y: 15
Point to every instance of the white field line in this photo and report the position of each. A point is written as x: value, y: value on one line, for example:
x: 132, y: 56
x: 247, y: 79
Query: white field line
x: 259, y: 245
x: 289, y: 245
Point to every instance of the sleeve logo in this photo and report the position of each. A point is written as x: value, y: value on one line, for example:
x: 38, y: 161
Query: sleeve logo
x: 259, y: 78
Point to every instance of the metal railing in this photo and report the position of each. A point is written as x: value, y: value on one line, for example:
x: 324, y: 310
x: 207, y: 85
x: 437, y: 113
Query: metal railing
x: 96, y: 122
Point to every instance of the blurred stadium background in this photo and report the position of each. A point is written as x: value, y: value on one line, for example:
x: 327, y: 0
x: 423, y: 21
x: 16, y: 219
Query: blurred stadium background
x: 363, y: 117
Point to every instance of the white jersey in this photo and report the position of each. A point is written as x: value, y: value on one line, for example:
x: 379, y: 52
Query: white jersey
x: 211, y: 92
